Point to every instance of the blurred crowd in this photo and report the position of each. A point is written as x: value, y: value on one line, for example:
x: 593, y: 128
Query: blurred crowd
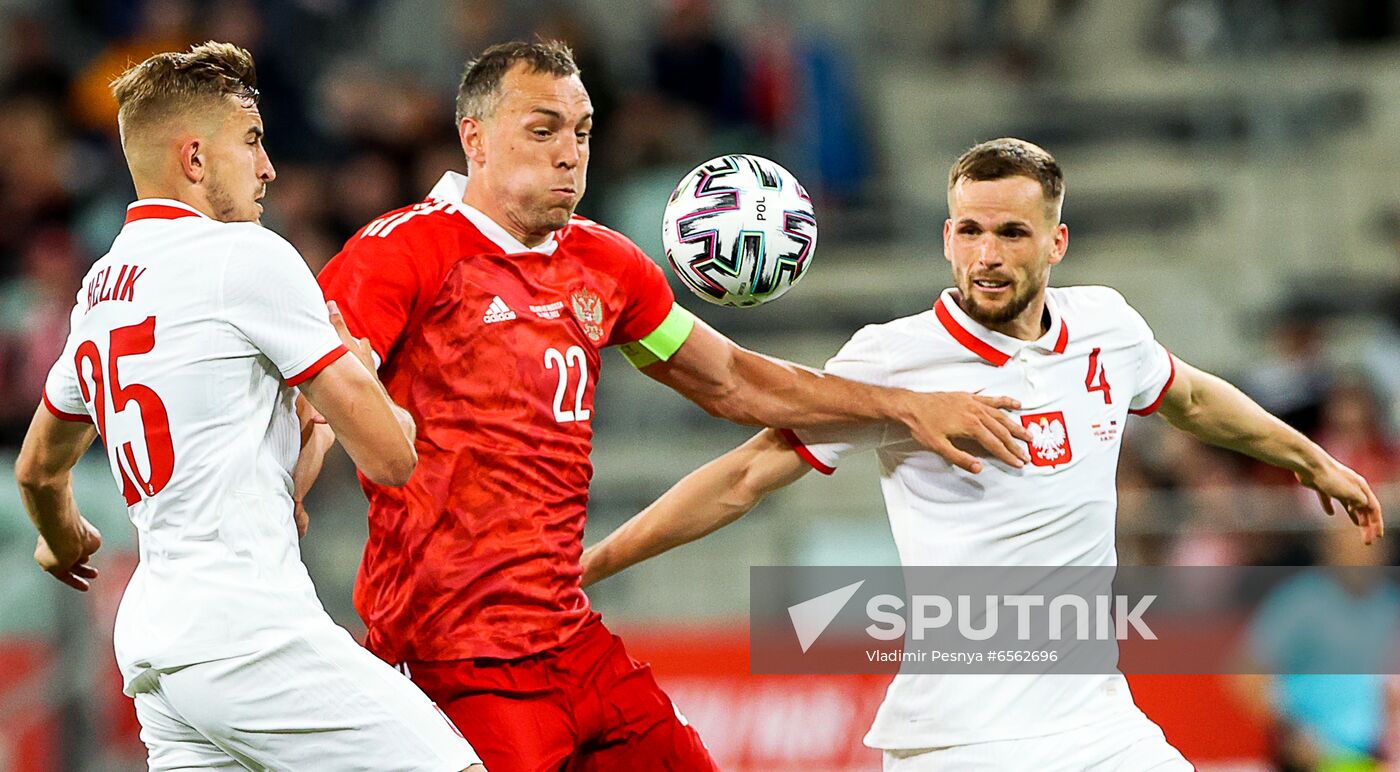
x: 357, y: 97
x: 1164, y: 475
x: 1191, y: 29
x: 1019, y: 38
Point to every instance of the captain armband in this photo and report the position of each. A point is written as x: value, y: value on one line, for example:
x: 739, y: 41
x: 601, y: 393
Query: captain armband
x: 663, y: 342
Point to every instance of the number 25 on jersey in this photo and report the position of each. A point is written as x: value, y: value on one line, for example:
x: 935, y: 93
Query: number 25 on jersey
x: 104, y: 382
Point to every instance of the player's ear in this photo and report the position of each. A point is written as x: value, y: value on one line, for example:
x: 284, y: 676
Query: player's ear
x: 470, y: 132
x: 192, y: 160
x: 948, y: 240
x: 1061, y: 245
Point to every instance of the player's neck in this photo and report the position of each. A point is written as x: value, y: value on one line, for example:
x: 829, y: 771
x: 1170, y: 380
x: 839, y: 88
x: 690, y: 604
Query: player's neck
x: 189, y: 196
x: 487, y: 205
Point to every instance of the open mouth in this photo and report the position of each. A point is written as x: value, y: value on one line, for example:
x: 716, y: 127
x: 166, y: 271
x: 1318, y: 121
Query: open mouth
x: 991, y: 285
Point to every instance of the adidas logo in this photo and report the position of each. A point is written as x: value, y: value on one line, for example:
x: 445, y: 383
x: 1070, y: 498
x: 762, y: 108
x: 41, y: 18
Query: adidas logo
x: 498, y: 311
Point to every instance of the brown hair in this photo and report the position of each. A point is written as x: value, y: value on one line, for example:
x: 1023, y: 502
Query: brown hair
x: 481, y: 81
x: 998, y: 159
x: 178, y: 80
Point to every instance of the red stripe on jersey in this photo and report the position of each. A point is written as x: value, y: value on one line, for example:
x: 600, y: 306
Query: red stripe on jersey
x: 969, y: 341
x: 158, y: 212
x: 1156, y: 403
x: 1063, y: 340
x: 317, y: 366
x: 59, y: 414
x: 803, y: 451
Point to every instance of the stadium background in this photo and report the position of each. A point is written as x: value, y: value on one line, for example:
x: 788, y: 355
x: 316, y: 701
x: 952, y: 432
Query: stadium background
x: 1231, y: 168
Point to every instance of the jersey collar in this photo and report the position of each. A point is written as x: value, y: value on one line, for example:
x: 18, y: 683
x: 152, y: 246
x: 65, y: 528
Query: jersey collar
x: 994, y: 347
x: 160, y: 209
x: 453, y: 187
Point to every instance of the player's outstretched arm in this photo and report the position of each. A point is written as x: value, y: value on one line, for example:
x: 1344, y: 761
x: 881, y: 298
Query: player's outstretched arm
x: 1220, y: 414
x: 44, y: 471
x: 731, y: 382
x: 706, y: 500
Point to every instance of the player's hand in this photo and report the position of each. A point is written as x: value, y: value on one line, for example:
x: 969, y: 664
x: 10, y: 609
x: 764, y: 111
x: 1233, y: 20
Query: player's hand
x: 66, y: 556
x: 358, y: 346
x: 1333, y: 480
x: 316, y: 439
x: 942, y: 420
x: 302, y: 518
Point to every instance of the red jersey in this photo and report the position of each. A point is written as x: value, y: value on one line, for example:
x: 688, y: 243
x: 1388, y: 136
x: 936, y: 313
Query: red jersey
x: 494, y: 349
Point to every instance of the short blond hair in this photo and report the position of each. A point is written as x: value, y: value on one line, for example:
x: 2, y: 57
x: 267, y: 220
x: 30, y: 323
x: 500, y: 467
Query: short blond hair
x: 175, y: 81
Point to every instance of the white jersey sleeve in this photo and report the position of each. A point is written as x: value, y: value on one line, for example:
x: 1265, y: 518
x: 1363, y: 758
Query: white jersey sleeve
x: 1155, y: 367
x: 63, y: 395
x: 270, y: 296
x: 861, y: 359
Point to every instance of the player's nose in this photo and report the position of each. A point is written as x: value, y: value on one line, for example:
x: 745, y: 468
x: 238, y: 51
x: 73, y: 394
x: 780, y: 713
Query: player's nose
x: 568, y: 156
x: 987, y: 252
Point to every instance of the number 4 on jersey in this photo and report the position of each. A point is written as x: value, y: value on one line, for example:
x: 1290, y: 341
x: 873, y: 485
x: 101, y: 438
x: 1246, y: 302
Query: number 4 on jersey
x: 1096, y: 369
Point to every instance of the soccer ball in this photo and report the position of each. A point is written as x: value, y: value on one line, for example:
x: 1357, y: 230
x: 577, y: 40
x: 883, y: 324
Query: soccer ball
x: 739, y: 230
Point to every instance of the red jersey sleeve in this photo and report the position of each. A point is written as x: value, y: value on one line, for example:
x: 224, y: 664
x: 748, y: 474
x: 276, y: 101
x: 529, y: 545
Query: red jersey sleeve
x: 379, y: 284
x: 649, y: 298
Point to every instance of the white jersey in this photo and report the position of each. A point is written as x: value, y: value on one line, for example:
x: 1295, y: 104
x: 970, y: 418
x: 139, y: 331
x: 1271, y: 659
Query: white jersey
x: 1097, y: 363
x: 186, y: 342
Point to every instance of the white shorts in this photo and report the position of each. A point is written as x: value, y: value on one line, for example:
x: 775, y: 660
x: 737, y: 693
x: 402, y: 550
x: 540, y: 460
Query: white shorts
x: 1130, y: 743
x: 319, y: 701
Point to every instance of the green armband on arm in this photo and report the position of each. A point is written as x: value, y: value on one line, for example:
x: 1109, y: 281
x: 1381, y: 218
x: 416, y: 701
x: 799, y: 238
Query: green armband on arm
x: 663, y: 342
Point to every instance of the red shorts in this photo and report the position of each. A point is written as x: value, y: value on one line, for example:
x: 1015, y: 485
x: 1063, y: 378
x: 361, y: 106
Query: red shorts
x: 583, y: 706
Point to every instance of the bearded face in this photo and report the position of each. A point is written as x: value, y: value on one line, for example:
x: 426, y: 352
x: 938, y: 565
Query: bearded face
x: 995, y: 299
x: 1001, y: 240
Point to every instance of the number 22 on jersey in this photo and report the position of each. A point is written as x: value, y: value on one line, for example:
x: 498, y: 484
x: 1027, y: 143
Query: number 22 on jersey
x: 565, y: 363
x: 105, y: 382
